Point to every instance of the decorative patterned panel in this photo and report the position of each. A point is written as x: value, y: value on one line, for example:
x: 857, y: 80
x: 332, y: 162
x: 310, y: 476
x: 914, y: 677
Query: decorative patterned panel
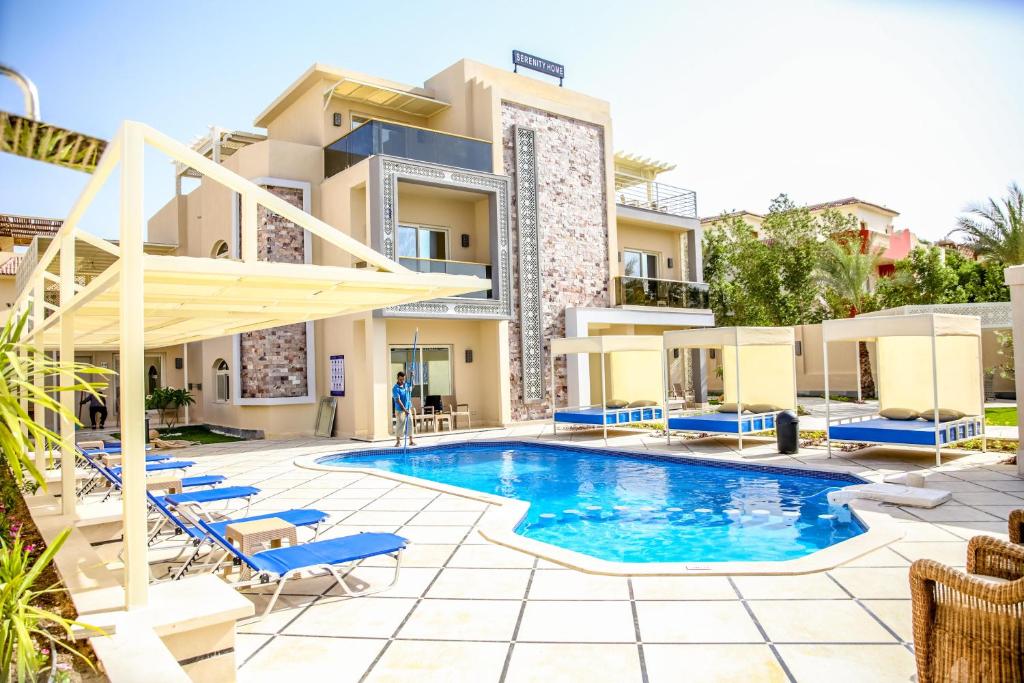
x: 528, y: 223
x: 392, y: 170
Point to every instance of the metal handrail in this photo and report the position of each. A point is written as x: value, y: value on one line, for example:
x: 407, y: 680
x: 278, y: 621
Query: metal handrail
x: 659, y: 197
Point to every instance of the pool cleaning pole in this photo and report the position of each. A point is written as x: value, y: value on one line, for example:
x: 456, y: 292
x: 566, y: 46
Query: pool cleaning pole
x: 412, y: 379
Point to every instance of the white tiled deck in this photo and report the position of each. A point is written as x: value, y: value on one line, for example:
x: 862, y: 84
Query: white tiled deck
x: 467, y: 610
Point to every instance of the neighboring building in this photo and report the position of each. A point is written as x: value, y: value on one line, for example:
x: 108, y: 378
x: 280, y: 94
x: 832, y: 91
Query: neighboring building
x: 874, y: 229
x: 479, y: 171
x: 17, y: 232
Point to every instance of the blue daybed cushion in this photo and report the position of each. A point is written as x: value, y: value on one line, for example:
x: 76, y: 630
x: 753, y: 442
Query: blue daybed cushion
x: 723, y: 423
x: 596, y: 416
x: 903, y: 432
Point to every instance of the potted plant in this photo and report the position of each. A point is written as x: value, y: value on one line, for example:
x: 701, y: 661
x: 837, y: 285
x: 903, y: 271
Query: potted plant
x: 167, y: 401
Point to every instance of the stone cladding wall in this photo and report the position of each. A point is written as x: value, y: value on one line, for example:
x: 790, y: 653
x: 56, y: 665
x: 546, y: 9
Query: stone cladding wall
x: 573, y: 220
x: 273, y: 361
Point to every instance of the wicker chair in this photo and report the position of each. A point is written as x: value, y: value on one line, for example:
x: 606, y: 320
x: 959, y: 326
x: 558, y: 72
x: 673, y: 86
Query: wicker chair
x: 967, y: 627
x: 1017, y: 527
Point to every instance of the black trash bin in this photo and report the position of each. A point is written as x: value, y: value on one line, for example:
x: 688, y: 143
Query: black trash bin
x: 787, y: 432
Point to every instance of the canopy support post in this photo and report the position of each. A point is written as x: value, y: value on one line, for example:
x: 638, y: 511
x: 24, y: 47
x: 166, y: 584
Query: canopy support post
x: 184, y: 371
x: 604, y: 401
x: 935, y: 396
x: 666, y: 364
x: 739, y: 401
x: 551, y: 380
x: 67, y: 356
x: 981, y: 413
x: 828, y: 410
x: 39, y: 412
x: 856, y: 364
x: 132, y: 350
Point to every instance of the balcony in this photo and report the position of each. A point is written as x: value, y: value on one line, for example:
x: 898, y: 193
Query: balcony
x: 644, y: 291
x: 393, y: 139
x: 428, y: 265
x: 659, y: 197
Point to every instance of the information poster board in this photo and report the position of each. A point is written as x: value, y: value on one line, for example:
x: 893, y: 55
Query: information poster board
x: 338, y: 375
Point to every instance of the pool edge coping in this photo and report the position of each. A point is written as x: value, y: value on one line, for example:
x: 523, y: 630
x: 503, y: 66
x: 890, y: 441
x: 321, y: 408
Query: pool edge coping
x: 501, y: 519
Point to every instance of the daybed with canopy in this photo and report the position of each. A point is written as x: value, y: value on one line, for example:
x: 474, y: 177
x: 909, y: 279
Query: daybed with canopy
x: 929, y: 378
x: 636, y: 408
x: 758, y: 378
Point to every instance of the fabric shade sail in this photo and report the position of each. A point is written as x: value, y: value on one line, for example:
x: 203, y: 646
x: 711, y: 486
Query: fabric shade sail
x: 907, y: 376
x: 606, y: 344
x: 758, y: 363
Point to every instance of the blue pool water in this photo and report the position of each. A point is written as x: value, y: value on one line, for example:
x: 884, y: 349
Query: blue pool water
x: 638, y: 508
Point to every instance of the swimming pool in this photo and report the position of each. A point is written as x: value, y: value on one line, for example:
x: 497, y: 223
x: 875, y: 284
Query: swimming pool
x: 638, y: 508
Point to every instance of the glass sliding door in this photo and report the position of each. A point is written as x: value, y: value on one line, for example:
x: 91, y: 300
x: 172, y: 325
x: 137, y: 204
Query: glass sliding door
x: 432, y: 375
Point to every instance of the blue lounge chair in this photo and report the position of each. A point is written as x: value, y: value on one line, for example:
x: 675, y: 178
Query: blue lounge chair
x: 161, y: 466
x: 114, y: 477
x: 281, y: 564
x: 196, y: 537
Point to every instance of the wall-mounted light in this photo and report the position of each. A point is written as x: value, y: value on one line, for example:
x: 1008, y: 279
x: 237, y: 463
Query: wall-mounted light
x: 799, y: 346
x: 337, y: 119
x: 620, y: 257
x: 711, y: 354
x: 465, y: 240
x: 675, y: 353
x: 469, y: 355
x: 670, y: 262
x: 179, y: 363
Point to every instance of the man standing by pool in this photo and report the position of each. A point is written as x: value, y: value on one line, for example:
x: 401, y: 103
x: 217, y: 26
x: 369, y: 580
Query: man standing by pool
x: 401, y: 398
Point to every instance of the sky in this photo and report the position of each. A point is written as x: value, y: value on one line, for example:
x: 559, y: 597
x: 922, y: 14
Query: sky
x: 916, y: 105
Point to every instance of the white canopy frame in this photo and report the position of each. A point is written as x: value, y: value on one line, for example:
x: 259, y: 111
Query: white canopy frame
x: 144, y: 300
x: 601, y: 345
x: 932, y: 325
x: 720, y: 338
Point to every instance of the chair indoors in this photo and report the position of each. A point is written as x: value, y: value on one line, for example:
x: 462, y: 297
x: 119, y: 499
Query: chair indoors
x: 969, y: 626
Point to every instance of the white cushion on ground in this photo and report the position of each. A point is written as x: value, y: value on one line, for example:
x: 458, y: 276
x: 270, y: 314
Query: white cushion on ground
x: 890, y: 493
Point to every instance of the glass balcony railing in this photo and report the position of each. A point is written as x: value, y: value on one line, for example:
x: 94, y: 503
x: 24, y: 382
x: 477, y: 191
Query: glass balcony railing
x: 382, y: 137
x: 429, y: 265
x: 645, y: 291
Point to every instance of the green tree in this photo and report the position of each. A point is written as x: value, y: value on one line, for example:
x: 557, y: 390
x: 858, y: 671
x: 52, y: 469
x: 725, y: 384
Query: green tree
x: 771, y: 278
x: 977, y: 281
x: 923, y: 278
x: 845, y: 272
x: 996, y: 231
x: 20, y: 433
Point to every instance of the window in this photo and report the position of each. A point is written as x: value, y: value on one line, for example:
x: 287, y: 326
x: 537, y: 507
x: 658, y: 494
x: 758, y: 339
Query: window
x: 433, y: 369
x: 640, y: 263
x: 417, y: 241
x: 220, y: 249
x: 223, y: 380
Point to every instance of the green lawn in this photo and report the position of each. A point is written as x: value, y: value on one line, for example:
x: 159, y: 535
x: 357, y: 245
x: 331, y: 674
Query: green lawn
x: 197, y: 433
x: 1003, y: 417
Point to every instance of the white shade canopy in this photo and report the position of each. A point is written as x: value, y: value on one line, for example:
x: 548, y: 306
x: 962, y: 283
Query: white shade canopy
x: 921, y: 325
x: 717, y: 337
x: 605, y: 344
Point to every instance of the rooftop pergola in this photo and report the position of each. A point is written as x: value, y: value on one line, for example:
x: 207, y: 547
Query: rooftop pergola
x: 88, y: 292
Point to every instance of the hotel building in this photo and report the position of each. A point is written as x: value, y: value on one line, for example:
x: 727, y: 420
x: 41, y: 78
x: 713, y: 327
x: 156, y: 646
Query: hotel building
x: 479, y: 171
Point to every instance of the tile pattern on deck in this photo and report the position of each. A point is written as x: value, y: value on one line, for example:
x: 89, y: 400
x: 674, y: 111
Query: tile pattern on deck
x: 468, y: 610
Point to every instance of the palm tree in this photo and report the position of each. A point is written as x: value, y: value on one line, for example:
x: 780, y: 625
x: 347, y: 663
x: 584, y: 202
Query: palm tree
x: 20, y: 433
x: 846, y: 271
x: 995, y: 231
